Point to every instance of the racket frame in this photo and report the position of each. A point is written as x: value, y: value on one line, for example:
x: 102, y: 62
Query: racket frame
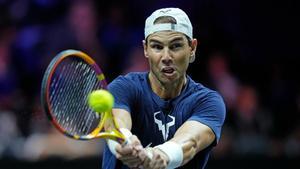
x: 98, y: 132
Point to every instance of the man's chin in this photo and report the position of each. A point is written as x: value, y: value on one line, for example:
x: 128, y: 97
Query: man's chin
x: 168, y: 79
x: 169, y: 75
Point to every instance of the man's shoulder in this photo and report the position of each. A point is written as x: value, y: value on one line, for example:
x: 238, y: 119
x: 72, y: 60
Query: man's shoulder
x: 133, y: 76
x: 136, y: 75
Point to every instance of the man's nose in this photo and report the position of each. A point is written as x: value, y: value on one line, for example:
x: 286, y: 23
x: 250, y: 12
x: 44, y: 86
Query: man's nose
x: 166, y: 56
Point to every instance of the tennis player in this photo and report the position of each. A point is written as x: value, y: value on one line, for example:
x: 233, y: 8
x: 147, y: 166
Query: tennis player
x: 165, y: 108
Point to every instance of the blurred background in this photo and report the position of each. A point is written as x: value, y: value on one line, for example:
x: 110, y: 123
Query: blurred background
x: 248, y: 51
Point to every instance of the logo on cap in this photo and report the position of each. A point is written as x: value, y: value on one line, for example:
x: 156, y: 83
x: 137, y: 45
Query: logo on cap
x: 165, y: 11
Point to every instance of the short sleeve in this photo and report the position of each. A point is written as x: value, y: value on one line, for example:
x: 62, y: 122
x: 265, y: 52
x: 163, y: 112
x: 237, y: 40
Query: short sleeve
x: 210, y: 110
x: 123, y: 90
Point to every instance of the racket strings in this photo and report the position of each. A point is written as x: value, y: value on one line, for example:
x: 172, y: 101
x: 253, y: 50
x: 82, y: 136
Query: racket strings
x: 70, y: 86
x: 56, y: 98
x: 88, y: 89
x: 90, y: 79
x: 83, y: 125
x: 61, y: 97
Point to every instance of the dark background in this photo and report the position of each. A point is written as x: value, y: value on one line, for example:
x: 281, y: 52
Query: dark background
x: 248, y: 51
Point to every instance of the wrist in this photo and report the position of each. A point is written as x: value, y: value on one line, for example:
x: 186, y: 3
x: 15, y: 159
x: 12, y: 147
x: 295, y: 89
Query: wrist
x: 174, y: 152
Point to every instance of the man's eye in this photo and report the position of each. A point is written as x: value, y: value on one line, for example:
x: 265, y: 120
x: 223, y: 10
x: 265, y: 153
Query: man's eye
x: 176, y: 46
x: 155, y: 46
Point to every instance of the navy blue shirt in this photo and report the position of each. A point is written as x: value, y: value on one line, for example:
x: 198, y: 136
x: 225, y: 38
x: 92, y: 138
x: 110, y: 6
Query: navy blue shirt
x: 155, y: 120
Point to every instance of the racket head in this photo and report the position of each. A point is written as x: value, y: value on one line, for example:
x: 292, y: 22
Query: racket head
x: 69, y: 78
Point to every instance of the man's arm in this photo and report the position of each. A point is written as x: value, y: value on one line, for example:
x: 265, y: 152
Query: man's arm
x: 122, y: 118
x: 193, y: 137
x: 188, y: 140
x: 128, y: 153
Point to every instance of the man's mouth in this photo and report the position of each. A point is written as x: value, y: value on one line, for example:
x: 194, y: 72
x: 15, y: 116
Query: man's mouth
x: 168, y: 70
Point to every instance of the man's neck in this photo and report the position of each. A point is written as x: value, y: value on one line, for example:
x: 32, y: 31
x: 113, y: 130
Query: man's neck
x: 166, y: 91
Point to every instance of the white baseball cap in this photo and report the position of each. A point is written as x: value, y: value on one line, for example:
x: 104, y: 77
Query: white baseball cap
x: 183, y: 23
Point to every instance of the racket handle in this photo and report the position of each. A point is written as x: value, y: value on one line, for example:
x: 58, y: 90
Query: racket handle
x: 112, y: 143
x: 127, y: 134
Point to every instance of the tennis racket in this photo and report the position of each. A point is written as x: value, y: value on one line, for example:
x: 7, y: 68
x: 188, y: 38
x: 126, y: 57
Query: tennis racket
x: 69, y: 79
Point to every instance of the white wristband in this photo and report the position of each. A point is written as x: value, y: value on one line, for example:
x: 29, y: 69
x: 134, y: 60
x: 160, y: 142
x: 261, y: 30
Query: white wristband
x: 174, y: 152
x: 112, y: 143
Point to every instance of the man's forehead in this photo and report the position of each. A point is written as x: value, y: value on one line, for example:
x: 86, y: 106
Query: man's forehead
x: 166, y: 36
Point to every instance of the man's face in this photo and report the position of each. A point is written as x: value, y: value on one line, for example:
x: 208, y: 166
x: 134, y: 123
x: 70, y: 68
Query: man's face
x: 168, y: 54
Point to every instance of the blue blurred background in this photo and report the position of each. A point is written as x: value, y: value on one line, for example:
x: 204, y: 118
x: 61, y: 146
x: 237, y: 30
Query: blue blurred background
x: 248, y: 51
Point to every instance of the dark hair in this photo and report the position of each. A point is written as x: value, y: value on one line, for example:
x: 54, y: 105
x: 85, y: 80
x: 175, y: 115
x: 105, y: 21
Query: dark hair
x: 169, y: 19
x: 165, y: 19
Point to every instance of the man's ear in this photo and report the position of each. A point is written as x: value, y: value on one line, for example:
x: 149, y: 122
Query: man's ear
x: 145, y: 49
x: 193, y: 52
x: 192, y: 58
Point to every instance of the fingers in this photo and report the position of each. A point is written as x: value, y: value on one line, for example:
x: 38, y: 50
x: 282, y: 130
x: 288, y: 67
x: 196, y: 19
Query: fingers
x: 158, y: 161
x: 126, y: 153
x: 130, y: 153
x: 143, y: 154
x: 134, y: 155
x: 124, y: 150
x: 134, y: 141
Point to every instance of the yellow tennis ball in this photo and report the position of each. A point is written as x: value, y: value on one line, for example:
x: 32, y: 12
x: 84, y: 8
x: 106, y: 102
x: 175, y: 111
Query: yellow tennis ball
x: 101, y: 100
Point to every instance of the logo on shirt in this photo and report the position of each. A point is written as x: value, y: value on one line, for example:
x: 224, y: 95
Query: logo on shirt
x: 164, y: 128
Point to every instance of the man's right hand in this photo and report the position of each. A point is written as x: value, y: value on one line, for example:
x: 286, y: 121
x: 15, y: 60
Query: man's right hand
x: 131, y: 154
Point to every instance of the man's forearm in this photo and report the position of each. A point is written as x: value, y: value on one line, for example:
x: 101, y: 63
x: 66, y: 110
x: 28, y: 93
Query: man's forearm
x: 191, y: 137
